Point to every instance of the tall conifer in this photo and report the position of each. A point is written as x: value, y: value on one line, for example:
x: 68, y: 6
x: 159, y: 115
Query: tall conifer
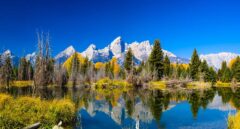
x: 225, y: 73
x: 236, y: 69
x: 203, y: 70
x: 128, y: 61
x: 194, y: 65
x: 166, y: 66
x: 156, y: 61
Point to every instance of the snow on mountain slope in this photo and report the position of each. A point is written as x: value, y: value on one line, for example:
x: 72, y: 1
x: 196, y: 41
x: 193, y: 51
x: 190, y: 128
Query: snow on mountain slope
x: 143, y: 50
x: 31, y: 57
x: 216, y: 60
x: 90, y: 52
x: 15, y: 59
x: 115, y: 49
x: 97, y: 55
x: 62, y: 56
x: 118, y: 48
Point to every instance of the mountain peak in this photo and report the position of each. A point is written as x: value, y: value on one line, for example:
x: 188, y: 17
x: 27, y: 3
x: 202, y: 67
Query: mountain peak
x: 116, y: 40
x: 117, y: 46
x: 7, y: 52
x: 90, y: 52
x: 92, y: 47
x: 65, y: 54
x: 69, y: 50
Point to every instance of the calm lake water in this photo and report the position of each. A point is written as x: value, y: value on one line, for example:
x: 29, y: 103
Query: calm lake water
x: 145, y: 109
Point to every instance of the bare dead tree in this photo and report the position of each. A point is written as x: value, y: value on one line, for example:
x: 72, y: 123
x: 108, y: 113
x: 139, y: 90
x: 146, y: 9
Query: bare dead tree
x: 44, y: 66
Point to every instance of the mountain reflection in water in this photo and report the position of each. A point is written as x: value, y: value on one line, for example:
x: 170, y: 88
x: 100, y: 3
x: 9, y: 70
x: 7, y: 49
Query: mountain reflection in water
x: 145, y: 109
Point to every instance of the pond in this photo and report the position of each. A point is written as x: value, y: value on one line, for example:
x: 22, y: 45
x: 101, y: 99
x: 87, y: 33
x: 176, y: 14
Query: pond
x: 144, y: 109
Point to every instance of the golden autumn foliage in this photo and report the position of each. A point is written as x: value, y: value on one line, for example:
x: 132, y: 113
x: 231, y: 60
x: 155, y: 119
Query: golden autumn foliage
x: 4, y: 99
x: 99, y: 65
x: 185, y: 66
x: 116, y: 67
x: 233, y: 121
x: 232, y: 62
x: 68, y: 63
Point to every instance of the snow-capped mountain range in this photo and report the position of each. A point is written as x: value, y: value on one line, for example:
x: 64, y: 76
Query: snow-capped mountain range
x: 118, y: 48
x: 216, y: 59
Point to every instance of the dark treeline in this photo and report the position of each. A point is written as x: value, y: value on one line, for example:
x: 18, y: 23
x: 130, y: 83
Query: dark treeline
x: 79, y: 70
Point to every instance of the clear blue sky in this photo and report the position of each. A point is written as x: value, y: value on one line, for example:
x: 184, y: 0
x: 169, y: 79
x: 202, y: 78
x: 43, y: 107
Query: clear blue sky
x: 181, y: 25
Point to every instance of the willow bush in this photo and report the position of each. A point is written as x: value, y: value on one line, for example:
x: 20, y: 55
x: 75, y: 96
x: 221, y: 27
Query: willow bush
x: 234, y: 121
x: 24, y: 111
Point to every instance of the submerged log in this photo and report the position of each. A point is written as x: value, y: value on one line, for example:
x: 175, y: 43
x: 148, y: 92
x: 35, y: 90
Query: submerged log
x: 34, y: 126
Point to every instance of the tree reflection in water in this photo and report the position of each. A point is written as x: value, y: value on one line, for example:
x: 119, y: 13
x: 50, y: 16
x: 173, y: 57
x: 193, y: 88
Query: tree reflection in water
x: 136, y: 104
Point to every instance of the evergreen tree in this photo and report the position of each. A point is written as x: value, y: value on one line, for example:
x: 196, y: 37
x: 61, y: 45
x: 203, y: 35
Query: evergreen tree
x: 128, y: 61
x: 194, y: 65
x: 172, y: 71
x: 50, y: 70
x: 219, y: 74
x: 1, y: 72
x: 211, y: 76
x: 166, y: 66
x: 122, y: 74
x: 140, y: 67
x: 225, y: 73
x: 1, y: 64
x: 22, y: 69
x: 222, y: 70
x: 203, y: 70
x: 7, y: 69
x: 236, y: 69
x: 75, y: 68
x: 178, y: 71
x: 181, y: 71
x: 156, y: 61
x: 29, y: 71
x: 15, y: 73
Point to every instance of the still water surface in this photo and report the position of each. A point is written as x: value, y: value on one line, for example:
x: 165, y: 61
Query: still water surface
x: 144, y: 109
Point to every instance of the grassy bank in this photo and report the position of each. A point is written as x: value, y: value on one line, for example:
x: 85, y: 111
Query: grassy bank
x: 24, y: 111
x: 198, y: 85
x: 234, y: 121
x: 160, y: 85
x: 20, y: 83
x: 108, y: 83
x: 223, y: 84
